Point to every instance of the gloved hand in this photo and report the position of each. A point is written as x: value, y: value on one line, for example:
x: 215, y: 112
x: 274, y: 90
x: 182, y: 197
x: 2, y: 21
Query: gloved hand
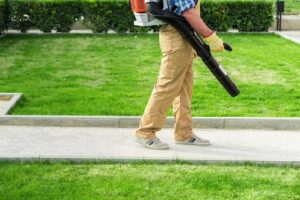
x: 214, y: 42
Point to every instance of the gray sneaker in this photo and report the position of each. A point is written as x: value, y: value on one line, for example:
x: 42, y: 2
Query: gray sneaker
x: 154, y: 143
x: 194, y: 140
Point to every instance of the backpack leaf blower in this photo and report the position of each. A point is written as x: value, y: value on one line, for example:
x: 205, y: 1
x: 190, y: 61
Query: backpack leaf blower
x: 153, y: 13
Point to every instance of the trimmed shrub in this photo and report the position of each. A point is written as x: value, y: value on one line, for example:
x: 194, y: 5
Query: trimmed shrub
x: 19, y: 15
x: 66, y: 14
x: 98, y: 15
x: 115, y: 15
x: 103, y: 15
x: 55, y: 15
x: 45, y: 15
x: 250, y: 16
x: 241, y: 15
x: 215, y: 14
x: 2, y: 24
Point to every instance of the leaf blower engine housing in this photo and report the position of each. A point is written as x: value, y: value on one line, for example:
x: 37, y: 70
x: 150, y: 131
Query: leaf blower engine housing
x: 139, y: 9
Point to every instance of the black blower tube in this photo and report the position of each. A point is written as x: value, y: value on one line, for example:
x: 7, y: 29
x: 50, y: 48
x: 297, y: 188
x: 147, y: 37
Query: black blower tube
x: 203, y: 51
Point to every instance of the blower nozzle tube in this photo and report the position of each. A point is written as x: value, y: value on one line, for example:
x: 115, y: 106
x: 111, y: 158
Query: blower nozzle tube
x: 203, y: 51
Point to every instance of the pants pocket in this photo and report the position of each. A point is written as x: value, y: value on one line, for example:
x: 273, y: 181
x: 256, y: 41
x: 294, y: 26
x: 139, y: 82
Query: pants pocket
x: 170, y: 41
x: 195, y: 54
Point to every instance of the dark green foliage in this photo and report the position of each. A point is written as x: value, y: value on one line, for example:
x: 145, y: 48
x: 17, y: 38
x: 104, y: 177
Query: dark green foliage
x: 98, y: 15
x: 6, y: 13
x: 102, y: 15
x: 215, y: 14
x: 250, y: 16
x: 45, y: 15
x: 66, y: 15
x: 19, y: 15
x: 116, y: 15
x: 2, y: 24
x: 241, y: 15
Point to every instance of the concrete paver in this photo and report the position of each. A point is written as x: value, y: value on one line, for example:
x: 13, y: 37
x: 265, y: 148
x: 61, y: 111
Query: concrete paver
x: 2, y: 103
x: 275, y: 123
x: 288, y: 23
x: 291, y: 35
x: 81, y: 143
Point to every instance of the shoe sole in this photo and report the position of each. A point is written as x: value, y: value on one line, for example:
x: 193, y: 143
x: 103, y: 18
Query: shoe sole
x: 150, y: 147
x: 189, y: 143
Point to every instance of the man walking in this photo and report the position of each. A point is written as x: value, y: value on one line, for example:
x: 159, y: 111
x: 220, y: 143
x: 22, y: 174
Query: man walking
x: 174, y: 85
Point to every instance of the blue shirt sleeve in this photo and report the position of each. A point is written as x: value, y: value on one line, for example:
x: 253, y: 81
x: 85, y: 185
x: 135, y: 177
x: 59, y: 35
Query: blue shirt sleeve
x: 182, y: 5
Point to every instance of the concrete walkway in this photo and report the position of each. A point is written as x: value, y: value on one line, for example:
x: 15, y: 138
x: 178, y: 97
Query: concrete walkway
x: 289, y: 23
x: 290, y: 35
x: 78, y: 144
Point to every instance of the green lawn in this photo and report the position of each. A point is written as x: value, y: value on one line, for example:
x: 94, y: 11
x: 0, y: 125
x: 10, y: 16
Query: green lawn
x: 114, y: 75
x: 148, y: 181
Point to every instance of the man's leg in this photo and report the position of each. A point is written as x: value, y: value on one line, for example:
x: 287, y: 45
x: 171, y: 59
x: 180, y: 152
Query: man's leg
x: 182, y: 113
x: 182, y: 107
x: 177, y: 54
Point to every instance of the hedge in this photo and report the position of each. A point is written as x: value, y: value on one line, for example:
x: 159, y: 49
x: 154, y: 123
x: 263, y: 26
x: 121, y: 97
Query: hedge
x: 102, y: 15
x: 116, y: 15
x: 2, y: 23
x: 249, y: 16
x: 241, y: 15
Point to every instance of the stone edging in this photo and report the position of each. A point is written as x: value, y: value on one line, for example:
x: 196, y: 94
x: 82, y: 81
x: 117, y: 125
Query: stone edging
x: 101, y: 159
x: 133, y: 122
x: 285, y: 36
x: 14, y: 97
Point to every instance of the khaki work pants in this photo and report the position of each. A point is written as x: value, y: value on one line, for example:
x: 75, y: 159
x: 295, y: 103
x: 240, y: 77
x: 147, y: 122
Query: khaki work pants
x: 174, y: 86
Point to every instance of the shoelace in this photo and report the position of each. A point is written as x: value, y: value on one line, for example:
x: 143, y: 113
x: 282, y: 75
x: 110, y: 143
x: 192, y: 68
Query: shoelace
x: 156, y: 140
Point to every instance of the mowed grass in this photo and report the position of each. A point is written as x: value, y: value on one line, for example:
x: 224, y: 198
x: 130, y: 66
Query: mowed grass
x: 115, y: 74
x: 147, y: 181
